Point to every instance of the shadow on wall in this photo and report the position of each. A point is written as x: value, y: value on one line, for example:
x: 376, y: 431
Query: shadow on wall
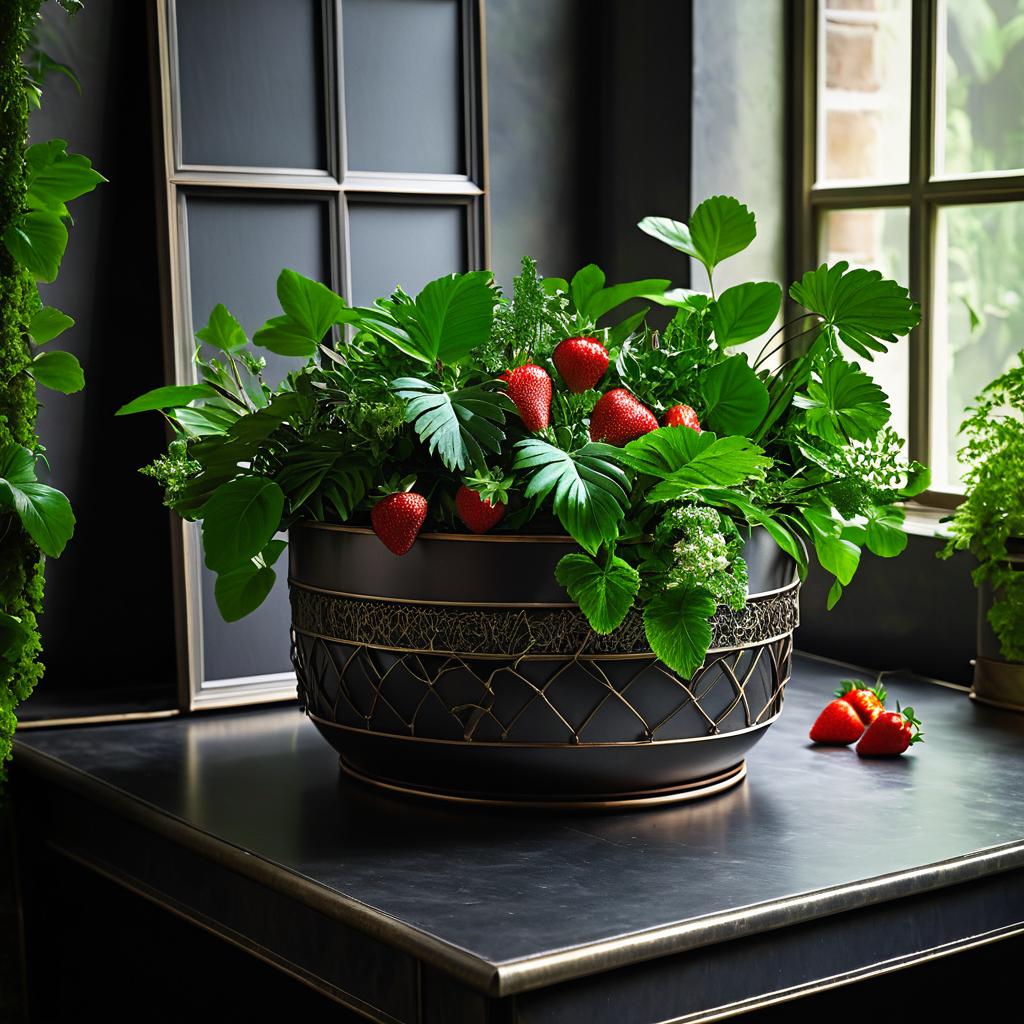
x: 913, y: 612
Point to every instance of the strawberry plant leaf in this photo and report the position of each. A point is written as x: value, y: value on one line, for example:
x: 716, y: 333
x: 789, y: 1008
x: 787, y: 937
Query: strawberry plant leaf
x: 844, y: 404
x: 745, y: 312
x: 735, y: 398
x: 677, y: 622
x: 48, y: 323
x: 54, y: 177
x: 222, y: 331
x: 590, y: 493
x: 37, y: 241
x: 720, y: 227
x: 605, y: 593
x: 58, y: 371
x: 458, y: 425
x: 239, y: 520
x: 862, y: 309
x: 309, y: 304
x: 454, y: 315
x: 44, y: 512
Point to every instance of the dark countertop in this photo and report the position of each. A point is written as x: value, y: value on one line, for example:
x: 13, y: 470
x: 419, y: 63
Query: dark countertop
x: 509, y: 901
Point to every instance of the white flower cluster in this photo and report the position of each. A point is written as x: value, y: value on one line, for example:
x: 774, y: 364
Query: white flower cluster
x: 706, y: 553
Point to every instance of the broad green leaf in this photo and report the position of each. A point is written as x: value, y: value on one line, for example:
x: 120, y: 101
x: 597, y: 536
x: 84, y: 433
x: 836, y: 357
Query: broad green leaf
x: 844, y: 404
x: 206, y: 419
x: 222, y: 331
x: 585, y: 284
x: 672, y: 232
x: 745, y: 312
x: 721, y: 227
x: 884, y: 531
x: 458, y: 425
x: 919, y: 478
x: 37, y: 240
x: 284, y: 337
x: 54, y: 177
x: 239, y: 520
x: 677, y: 622
x: 45, y: 512
x: 173, y: 396
x: 14, y: 634
x: 605, y: 593
x: 606, y: 299
x: 454, y: 315
x: 309, y: 304
x: 554, y: 285
x: 685, y: 460
x: 58, y: 371
x: 243, y: 590
x: 47, y: 324
x: 862, y: 309
x: 590, y: 493
x: 836, y: 554
x: 735, y: 398
x: 621, y: 331
x: 756, y: 516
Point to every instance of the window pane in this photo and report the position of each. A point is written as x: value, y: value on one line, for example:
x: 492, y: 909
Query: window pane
x: 403, y: 85
x: 405, y: 244
x: 879, y: 240
x: 251, y: 83
x: 863, y: 90
x: 979, y: 316
x: 981, y: 58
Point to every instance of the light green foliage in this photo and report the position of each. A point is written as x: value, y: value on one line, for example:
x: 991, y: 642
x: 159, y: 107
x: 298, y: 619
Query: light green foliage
x: 604, y: 590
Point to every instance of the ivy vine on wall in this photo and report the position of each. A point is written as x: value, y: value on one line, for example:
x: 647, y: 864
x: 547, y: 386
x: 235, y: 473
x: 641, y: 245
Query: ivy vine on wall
x: 37, y: 181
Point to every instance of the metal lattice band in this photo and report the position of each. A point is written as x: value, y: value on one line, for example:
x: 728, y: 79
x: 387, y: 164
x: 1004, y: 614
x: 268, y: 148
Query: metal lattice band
x: 482, y: 630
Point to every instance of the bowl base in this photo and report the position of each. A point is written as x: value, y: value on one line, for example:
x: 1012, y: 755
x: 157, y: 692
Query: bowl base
x: 695, y: 790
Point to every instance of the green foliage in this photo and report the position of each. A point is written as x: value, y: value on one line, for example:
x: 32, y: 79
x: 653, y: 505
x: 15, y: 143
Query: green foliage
x: 44, y: 512
x: 239, y: 520
x: 745, y: 312
x: 605, y: 591
x: 244, y: 589
x: 735, y: 398
x: 310, y: 310
x: 678, y: 627
x: 843, y: 404
x: 58, y: 371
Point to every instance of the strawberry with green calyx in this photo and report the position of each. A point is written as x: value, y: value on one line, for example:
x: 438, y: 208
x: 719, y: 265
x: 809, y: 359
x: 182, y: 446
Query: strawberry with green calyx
x: 620, y: 417
x: 890, y: 734
x: 398, y: 518
x: 867, y: 701
x: 581, y: 362
x: 681, y: 416
x: 529, y: 387
x: 838, y: 724
x: 480, y: 502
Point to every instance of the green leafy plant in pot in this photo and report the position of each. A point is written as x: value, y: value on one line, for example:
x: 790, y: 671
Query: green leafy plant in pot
x: 632, y: 510
x: 990, y: 524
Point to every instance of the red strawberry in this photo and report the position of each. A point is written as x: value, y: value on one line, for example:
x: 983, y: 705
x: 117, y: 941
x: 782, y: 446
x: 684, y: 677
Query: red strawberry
x: 530, y: 388
x: 397, y: 520
x: 839, y: 723
x: 476, y: 511
x: 681, y: 416
x: 890, y: 734
x: 620, y: 417
x: 867, y: 701
x: 581, y: 362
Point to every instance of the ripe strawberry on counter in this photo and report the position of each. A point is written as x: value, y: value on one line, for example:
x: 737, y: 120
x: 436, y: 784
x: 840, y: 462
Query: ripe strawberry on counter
x: 868, y: 701
x: 582, y: 362
x: 838, y: 724
x: 890, y: 734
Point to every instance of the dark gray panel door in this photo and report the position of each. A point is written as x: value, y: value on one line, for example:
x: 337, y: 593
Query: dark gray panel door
x: 237, y: 247
x: 403, y: 85
x: 403, y: 244
x: 251, y: 83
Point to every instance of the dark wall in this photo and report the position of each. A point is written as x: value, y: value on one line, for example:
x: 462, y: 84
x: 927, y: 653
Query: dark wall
x: 108, y: 622
x: 913, y: 612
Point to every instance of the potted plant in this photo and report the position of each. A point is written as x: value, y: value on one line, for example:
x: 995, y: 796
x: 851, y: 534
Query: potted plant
x: 539, y: 553
x: 990, y: 524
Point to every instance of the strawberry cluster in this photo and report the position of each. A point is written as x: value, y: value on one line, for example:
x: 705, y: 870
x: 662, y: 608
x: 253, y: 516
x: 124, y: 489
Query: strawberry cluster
x: 858, y: 714
x: 617, y: 418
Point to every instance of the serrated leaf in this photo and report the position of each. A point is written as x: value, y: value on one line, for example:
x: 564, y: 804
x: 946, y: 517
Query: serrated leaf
x: 239, y: 520
x: 677, y: 622
x: 454, y: 315
x: 862, y: 309
x: 735, y: 398
x: 720, y: 227
x: 605, y: 593
x: 58, y: 371
x: 843, y: 404
x: 53, y: 177
x: 44, y: 512
x: 590, y: 493
x: 48, y: 323
x: 37, y: 241
x: 173, y: 396
x: 458, y: 425
x: 745, y: 312
x: 222, y: 331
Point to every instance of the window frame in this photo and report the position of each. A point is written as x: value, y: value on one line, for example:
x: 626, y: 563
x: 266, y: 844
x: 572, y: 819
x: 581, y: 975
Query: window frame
x: 923, y: 194
x: 338, y: 187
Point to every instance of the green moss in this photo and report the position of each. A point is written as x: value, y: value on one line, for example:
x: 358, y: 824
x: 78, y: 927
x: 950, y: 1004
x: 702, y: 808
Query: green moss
x: 21, y: 567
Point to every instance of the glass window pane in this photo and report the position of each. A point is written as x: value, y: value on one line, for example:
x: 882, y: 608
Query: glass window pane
x: 251, y: 82
x: 863, y: 90
x: 979, y: 316
x: 980, y: 116
x: 403, y: 85
x: 404, y: 244
x: 879, y: 240
x: 237, y: 248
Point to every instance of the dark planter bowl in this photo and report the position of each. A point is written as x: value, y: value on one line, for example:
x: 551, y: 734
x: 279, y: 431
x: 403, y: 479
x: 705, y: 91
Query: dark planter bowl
x: 461, y: 670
